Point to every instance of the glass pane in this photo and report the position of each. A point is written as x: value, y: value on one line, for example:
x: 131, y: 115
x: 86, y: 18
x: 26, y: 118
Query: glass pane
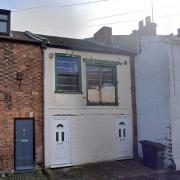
x: 120, y: 133
x: 93, y: 78
x: 124, y: 133
x: 67, y: 65
x: 93, y: 84
x: 67, y: 80
x: 3, y: 17
x: 3, y: 27
x: 62, y: 136
x: 57, y: 136
x: 107, y: 75
x: 71, y: 88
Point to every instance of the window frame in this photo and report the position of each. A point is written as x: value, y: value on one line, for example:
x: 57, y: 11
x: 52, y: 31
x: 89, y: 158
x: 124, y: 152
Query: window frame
x: 103, y: 63
x: 8, y: 21
x: 79, y: 74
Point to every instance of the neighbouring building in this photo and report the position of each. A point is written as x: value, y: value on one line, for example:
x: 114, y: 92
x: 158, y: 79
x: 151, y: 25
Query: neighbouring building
x: 157, y: 85
x: 21, y: 99
x: 88, y: 102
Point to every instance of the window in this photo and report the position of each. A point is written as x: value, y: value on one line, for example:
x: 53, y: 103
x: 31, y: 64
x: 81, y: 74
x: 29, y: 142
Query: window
x: 68, y: 75
x: 4, y: 22
x: 101, y: 84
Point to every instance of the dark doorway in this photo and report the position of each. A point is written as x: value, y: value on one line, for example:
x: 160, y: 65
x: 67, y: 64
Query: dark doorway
x: 24, y: 144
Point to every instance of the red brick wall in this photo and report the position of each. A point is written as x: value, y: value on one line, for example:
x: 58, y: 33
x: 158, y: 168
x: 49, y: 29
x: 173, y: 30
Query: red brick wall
x: 18, y: 103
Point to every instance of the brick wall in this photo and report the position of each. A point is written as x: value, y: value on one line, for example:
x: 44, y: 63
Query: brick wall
x: 19, y: 103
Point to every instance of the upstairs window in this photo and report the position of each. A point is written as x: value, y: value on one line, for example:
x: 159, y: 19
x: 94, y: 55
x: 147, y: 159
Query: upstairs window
x: 68, y: 74
x: 4, y: 22
x: 101, y: 85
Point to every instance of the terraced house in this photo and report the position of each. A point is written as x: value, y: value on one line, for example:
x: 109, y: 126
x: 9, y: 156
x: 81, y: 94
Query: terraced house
x: 21, y: 97
x: 88, y: 102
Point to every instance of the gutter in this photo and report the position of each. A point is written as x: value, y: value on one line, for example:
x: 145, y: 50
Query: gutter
x: 95, y: 50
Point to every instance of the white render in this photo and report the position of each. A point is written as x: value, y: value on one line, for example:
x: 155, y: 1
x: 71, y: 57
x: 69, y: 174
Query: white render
x: 158, y: 94
x: 174, y: 73
x: 92, y: 128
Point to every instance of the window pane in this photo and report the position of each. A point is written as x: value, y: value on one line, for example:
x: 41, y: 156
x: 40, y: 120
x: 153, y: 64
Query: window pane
x: 93, y: 84
x: 3, y: 17
x: 70, y: 88
x: 108, y: 86
x: 93, y: 78
x: 67, y: 65
x: 67, y: 80
x: 67, y: 71
x: 107, y: 75
x: 3, y: 27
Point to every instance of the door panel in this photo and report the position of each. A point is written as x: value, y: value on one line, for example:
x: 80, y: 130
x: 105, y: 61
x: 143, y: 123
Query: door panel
x: 60, y: 147
x: 124, y: 137
x: 24, y: 144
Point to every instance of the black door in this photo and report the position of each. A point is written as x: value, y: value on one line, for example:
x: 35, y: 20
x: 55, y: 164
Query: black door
x: 24, y: 144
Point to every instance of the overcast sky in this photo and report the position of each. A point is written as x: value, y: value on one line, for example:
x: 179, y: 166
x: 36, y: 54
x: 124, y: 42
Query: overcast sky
x: 79, y: 21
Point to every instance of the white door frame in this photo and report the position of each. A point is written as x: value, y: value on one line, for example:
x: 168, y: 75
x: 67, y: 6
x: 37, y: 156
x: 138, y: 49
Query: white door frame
x: 68, y: 121
x: 128, y: 120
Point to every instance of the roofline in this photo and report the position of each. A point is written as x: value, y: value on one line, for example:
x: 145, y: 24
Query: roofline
x: 46, y: 43
x: 118, y: 52
x: 10, y: 38
x: 173, y: 40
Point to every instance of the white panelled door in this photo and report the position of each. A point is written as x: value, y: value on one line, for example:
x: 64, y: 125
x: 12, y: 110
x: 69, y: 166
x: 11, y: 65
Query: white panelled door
x: 60, y: 142
x: 124, y: 137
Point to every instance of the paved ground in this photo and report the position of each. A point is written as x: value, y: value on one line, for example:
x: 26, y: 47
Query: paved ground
x: 115, y: 170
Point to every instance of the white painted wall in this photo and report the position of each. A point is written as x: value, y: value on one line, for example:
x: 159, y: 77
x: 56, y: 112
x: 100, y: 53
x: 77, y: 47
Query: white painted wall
x: 152, y: 91
x: 174, y: 72
x: 92, y: 127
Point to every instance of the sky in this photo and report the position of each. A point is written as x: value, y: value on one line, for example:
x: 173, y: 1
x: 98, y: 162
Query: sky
x: 82, y: 21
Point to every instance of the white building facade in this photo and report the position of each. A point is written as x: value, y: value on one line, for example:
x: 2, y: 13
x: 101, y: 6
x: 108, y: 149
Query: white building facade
x: 87, y: 107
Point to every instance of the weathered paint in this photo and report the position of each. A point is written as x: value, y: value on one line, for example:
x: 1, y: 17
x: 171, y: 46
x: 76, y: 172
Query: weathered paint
x: 92, y: 127
x: 153, y: 93
x: 174, y: 73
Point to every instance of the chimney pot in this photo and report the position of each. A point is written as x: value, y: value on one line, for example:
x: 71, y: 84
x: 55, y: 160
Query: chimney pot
x: 141, y: 24
x: 148, y: 20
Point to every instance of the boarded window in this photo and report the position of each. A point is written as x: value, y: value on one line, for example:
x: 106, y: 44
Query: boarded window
x: 67, y: 74
x: 101, y: 84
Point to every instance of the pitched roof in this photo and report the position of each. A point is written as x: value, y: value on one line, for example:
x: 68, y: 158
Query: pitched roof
x: 83, y: 45
x: 20, y: 36
x: 67, y: 43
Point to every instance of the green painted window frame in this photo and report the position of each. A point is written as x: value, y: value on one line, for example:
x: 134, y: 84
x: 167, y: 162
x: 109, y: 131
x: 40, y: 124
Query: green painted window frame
x: 57, y: 55
x: 103, y: 63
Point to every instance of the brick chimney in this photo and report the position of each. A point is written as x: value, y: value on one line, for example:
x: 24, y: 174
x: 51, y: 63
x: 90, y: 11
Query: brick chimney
x: 103, y: 35
x: 149, y: 29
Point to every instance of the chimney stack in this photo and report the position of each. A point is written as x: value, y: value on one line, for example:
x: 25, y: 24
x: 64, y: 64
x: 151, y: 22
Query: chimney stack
x: 103, y: 35
x: 149, y: 29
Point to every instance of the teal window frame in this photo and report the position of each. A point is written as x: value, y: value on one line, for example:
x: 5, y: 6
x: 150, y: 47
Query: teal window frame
x: 102, y: 64
x: 57, y: 55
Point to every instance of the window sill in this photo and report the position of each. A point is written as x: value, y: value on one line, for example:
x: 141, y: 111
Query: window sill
x: 102, y: 104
